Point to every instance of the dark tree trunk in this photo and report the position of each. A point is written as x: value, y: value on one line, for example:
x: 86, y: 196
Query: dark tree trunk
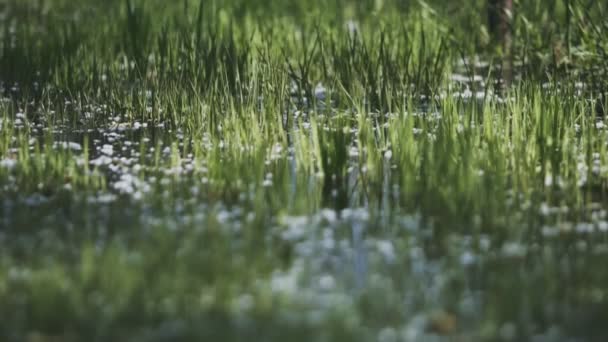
x: 500, y: 13
x: 499, y: 17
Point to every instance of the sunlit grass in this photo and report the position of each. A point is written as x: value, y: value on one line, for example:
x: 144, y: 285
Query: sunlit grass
x: 348, y: 170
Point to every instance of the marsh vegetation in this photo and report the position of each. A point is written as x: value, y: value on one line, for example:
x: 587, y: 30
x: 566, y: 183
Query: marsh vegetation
x: 303, y: 171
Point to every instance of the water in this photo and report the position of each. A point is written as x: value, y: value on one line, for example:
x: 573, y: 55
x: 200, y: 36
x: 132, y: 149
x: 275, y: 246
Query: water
x: 262, y: 242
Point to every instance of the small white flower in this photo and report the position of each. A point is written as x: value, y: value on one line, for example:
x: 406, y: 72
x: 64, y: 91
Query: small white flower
x: 8, y: 163
x: 108, y: 150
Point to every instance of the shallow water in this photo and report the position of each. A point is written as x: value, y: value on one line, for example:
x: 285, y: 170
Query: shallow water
x: 324, y: 256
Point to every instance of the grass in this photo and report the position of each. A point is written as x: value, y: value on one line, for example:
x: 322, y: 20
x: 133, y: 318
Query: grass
x: 314, y: 170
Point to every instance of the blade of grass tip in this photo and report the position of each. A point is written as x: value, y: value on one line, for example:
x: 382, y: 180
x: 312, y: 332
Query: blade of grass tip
x: 437, y: 72
x: 469, y: 70
x: 488, y: 80
x: 421, y: 56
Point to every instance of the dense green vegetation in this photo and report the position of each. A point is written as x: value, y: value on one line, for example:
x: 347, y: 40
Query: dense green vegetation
x: 302, y: 170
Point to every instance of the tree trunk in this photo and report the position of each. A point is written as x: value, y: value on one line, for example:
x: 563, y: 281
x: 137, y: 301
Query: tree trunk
x: 499, y: 24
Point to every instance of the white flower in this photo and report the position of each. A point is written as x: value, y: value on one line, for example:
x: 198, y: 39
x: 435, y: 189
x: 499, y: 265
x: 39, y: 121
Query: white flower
x: 8, y: 163
x: 108, y: 150
x: 102, y: 160
x: 320, y: 92
x: 68, y: 145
